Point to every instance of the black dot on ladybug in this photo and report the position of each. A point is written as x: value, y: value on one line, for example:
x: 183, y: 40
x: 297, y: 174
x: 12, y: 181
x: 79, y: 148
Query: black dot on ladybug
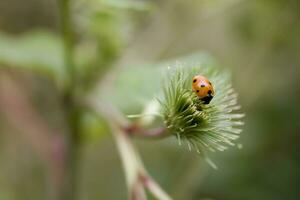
x: 194, y: 81
x: 202, y: 85
x: 209, y: 91
x: 197, y: 91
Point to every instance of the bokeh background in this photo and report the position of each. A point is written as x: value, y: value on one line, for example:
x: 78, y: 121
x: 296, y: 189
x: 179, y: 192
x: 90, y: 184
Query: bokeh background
x: 258, y: 41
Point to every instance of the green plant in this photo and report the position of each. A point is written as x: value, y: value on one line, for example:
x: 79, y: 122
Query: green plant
x: 204, y: 126
x: 77, y: 76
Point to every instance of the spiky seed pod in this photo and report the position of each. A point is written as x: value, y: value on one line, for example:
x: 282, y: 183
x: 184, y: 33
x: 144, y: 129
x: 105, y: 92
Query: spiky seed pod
x: 211, y: 126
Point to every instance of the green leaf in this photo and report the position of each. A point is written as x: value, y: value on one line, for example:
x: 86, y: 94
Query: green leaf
x: 135, y: 86
x: 38, y: 51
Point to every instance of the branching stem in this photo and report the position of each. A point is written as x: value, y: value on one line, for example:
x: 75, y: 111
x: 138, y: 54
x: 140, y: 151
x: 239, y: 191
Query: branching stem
x: 137, y: 178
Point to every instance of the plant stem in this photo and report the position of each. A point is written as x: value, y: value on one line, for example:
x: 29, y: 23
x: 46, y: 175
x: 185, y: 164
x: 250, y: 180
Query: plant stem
x: 68, y: 39
x: 137, y: 178
x: 73, y: 112
x: 74, y: 145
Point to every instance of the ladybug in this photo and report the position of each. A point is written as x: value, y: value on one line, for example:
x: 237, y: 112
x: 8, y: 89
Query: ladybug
x: 203, y: 88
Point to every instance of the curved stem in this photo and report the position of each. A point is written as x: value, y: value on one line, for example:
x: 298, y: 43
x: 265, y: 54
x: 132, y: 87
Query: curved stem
x: 136, y: 175
x: 137, y: 178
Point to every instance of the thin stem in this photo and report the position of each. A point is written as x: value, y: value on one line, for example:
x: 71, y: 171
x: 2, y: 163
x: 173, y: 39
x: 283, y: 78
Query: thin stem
x: 68, y: 38
x: 73, y: 112
x: 153, y: 187
x: 74, y: 145
x: 137, y: 177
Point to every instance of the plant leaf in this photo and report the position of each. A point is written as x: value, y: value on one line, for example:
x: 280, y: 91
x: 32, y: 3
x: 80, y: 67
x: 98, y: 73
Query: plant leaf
x: 38, y: 51
x: 135, y: 86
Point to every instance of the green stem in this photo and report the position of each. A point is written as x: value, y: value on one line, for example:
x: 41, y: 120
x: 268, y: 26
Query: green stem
x: 74, y: 145
x: 68, y: 39
x: 73, y: 112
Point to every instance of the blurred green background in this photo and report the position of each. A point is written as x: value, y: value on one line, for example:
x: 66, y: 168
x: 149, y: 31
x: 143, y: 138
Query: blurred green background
x: 258, y: 41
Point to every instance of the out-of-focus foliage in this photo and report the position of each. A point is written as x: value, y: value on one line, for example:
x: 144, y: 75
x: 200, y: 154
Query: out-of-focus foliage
x: 94, y: 129
x: 37, y: 51
x: 140, y: 84
x: 106, y: 27
x: 258, y: 40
